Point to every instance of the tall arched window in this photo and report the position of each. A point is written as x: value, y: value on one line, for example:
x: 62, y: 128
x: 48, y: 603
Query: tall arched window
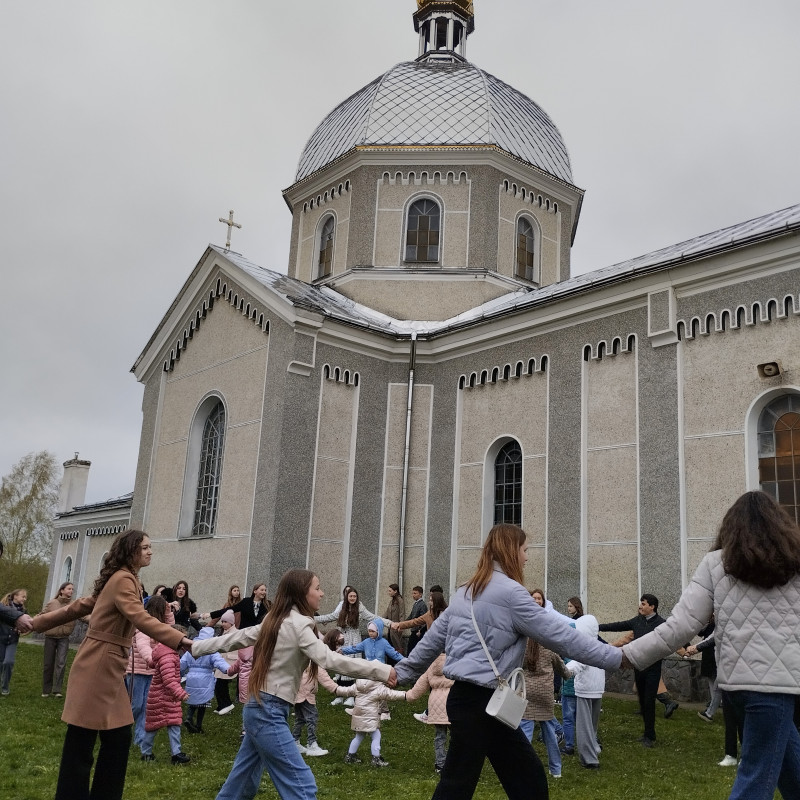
x: 66, y: 570
x: 526, y: 258
x: 210, y: 473
x: 325, y: 249
x: 779, y: 452
x: 422, y: 231
x: 508, y: 484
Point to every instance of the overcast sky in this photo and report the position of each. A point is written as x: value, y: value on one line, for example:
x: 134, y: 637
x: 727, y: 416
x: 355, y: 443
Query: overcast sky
x: 128, y: 128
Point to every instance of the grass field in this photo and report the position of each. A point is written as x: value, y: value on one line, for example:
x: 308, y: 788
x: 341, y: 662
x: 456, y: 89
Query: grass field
x: 684, y: 763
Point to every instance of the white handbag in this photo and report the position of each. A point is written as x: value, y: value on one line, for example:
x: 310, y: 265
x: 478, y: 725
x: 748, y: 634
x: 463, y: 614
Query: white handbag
x: 508, y: 702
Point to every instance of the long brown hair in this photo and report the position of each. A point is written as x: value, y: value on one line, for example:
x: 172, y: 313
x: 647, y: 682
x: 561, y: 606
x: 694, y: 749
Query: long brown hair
x: 438, y: 604
x: 62, y: 587
x: 292, y: 591
x: 502, y: 545
x: 156, y: 607
x: 577, y: 605
x: 122, y: 555
x: 230, y: 601
x: 183, y: 601
x: 349, y: 615
x: 531, y: 661
x: 9, y: 598
x: 760, y: 542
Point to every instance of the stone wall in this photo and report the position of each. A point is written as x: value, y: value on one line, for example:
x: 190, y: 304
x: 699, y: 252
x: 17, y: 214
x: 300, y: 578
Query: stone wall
x: 681, y: 675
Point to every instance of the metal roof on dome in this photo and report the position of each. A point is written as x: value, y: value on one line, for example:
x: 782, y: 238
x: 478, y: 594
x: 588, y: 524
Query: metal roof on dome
x: 327, y: 301
x: 429, y: 103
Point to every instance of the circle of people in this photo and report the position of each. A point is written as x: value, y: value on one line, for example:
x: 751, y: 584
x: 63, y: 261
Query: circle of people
x: 742, y: 601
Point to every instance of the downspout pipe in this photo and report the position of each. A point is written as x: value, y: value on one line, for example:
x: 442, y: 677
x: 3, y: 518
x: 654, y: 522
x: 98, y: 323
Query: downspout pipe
x: 412, y: 359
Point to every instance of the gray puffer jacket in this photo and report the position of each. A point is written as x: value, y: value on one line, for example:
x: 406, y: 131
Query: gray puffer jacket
x: 507, y: 616
x: 757, y: 634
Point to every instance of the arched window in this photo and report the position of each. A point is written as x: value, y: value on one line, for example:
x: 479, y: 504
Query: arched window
x: 210, y: 472
x: 779, y: 452
x: 66, y: 570
x: 325, y: 249
x: 526, y: 258
x: 422, y: 231
x: 508, y: 484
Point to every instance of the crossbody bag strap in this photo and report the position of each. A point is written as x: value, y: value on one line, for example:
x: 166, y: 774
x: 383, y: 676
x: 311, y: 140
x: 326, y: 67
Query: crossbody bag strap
x: 499, y: 677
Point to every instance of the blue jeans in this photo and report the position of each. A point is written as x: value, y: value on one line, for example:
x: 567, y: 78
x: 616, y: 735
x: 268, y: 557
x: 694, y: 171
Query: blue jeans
x: 174, y: 733
x: 568, y: 706
x: 141, y: 687
x: 770, y: 746
x: 550, y: 741
x: 268, y: 744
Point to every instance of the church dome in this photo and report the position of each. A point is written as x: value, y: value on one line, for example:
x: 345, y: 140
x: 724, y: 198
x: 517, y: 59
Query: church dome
x: 430, y: 103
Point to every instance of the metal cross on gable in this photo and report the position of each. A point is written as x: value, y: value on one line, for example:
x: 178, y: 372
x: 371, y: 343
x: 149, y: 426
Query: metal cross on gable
x: 231, y: 224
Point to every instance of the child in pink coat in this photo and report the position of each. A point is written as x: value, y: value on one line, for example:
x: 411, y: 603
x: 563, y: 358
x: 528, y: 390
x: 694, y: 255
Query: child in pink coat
x: 164, y: 704
x: 243, y: 666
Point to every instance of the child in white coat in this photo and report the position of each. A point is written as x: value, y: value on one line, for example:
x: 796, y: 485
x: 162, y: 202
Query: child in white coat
x: 366, y: 718
x: 590, y: 683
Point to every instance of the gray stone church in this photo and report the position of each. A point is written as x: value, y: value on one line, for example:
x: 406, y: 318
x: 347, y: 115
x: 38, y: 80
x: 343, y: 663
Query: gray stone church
x: 429, y: 366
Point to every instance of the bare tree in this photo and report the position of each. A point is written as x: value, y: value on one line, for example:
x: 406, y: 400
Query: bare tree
x: 28, y: 499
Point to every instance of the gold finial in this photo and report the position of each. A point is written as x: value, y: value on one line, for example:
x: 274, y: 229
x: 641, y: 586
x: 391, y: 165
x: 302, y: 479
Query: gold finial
x: 465, y: 5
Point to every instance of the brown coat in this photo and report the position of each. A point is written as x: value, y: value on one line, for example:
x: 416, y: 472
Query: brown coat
x: 539, y: 685
x: 62, y: 631
x: 96, y: 695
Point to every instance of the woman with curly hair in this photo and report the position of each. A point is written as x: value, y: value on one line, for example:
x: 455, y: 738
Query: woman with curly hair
x: 750, y: 581
x: 97, y: 702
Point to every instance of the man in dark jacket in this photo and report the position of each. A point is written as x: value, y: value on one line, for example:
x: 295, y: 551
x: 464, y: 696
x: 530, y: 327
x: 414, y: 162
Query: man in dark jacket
x: 646, y: 680
x: 417, y: 610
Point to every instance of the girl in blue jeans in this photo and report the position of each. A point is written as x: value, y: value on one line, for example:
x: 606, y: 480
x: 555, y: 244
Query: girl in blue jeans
x: 285, y: 642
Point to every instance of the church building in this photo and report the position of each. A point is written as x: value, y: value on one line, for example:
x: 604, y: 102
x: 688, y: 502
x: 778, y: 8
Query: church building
x: 429, y: 366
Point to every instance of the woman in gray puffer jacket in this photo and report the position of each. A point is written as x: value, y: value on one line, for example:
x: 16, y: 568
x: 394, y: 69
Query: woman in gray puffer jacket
x: 751, y: 582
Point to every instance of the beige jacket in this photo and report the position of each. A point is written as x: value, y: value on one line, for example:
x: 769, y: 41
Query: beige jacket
x: 297, y: 643
x: 369, y: 697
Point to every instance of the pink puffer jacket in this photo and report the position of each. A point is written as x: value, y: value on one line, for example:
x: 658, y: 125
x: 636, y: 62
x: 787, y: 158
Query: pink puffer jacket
x: 439, y: 686
x: 244, y: 666
x: 166, y: 693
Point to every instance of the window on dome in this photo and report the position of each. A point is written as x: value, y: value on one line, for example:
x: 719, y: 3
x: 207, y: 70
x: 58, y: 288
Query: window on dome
x: 526, y: 257
x: 441, y: 33
x: 422, y: 231
x: 325, y: 250
x: 779, y: 452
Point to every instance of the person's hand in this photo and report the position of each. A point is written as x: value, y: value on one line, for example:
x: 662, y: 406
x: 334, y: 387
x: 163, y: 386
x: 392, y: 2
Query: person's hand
x: 625, y: 663
x: 24, y: 624
x: 175, y: 605
x: 185, y: 645
x: 391, y: 681
x: 691, y: 650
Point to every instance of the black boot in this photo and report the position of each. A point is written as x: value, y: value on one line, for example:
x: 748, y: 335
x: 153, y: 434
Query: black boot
x: 669, y: 704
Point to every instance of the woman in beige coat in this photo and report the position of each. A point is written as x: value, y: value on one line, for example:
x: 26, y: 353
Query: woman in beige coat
x: 96, y: 701
x: 56, y: 644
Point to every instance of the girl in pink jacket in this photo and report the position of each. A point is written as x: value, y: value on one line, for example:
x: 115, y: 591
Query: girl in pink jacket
x: 164, y: 704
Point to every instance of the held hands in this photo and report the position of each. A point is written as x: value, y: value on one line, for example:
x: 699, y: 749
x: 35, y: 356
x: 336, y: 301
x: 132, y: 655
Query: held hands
x: 24, y: 624
x: 185, y: 645
x: 391, y: 681
x: 691, y: 650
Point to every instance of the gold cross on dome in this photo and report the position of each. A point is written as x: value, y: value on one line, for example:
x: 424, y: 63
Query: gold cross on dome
x: 231, y: 224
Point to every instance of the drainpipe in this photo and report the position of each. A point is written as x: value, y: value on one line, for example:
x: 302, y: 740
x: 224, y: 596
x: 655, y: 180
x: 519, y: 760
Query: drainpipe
x: 404, y: 499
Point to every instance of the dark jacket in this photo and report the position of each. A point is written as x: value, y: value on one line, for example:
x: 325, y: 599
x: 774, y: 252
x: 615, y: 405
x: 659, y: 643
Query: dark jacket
x: 708, y: 664
x: 640, y: 626
x: 9, y: 615
x: 246, y: 609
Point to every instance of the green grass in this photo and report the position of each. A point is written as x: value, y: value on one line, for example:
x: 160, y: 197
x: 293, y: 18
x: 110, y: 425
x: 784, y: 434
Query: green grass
x: 683, y: 764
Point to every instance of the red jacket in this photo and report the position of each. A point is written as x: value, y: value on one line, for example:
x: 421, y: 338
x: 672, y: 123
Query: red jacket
x: 166, y: 693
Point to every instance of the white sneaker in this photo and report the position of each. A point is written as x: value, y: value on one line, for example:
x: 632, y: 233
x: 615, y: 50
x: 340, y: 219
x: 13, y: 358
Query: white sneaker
x: 423, y: 717
x: 226, y: 710
x: 386, y: 717
x: 351, y: 701
x: 315, y: 750
x: 300, y: 747
x: 728, y: 761
x: 338, y: 701
x: 349, y: 711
